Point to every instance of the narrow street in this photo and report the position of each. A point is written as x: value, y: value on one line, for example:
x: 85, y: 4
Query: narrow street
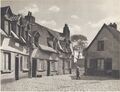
x: 63, y: 83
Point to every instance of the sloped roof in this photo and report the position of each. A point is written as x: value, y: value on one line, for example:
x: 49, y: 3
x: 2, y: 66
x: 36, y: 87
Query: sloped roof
x: 3, y: 32
x: 113, y: 31
x: 5, y: 9
x: 52, y: 32
x: 46, y: 48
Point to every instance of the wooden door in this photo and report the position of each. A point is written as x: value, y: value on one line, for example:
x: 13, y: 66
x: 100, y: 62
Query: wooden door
x: 34, y: 67
x: 48, y: 68
x: 16, y: 68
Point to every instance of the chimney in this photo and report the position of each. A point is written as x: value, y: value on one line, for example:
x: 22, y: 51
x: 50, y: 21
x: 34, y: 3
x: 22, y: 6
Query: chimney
x: 114, y: 25
x: 30, y: 18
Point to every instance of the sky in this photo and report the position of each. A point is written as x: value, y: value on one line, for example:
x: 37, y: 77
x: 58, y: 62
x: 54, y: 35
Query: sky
x: 84, y: 17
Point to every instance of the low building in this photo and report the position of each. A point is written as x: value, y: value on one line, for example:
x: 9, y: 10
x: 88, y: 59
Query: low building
x: 14, y: 52
x: 30, y: 49
x: 102, y: 57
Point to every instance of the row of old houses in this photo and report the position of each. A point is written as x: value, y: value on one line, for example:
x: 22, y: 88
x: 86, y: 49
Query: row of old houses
x: 30, y: 49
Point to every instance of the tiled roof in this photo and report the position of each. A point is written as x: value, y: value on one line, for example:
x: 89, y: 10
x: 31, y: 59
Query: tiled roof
x: 2, y: 32
x: 4, y: 10
x: 115, y: 33
x: 46, y: 48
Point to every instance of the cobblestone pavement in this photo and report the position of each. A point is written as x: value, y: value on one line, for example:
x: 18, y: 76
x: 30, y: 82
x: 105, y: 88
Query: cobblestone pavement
x: 63, y: 83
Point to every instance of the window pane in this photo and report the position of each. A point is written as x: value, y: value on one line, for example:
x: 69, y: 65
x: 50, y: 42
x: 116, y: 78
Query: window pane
x: 100, y: 45
x: 6, y: 27
x: 7, y: 61
x: 25, y: 62
x: 40, y: 64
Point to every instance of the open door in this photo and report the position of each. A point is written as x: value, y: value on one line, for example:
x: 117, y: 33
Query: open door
x: 34, y: 67
x: 16, y: 68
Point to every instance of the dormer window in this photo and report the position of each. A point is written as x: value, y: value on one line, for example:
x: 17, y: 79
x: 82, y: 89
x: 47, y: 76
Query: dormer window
x: 100, y: 46
x: 36, y: 39
x: 6, y: 26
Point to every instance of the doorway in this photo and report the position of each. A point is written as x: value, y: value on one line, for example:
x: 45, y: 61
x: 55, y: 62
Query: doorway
x: 108, y: 66
x: 16, y: 68
x: 34, y: 67
x: 48, y: 68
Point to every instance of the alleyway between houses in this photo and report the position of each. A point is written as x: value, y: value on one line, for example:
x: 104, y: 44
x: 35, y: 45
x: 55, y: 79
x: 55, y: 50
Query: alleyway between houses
x: 63, y: 83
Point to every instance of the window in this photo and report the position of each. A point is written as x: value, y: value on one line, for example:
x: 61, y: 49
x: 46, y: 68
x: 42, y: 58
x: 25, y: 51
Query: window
x: 100, y: 45
x: 7, y: 61
x: 36, y: 39
x: 13, y: 27
x: 25, y: 63
x: 100, y: 64
x: 22, y: 32
x: 66, y: 64
x: 93, y: 64
x: 53, y: 66
x: 6, y: 26
x: 40, y: 64
x: 26, y: 35
x: 17, y: 30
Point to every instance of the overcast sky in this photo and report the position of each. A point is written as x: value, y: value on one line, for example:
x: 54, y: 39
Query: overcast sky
x: 84, y: 17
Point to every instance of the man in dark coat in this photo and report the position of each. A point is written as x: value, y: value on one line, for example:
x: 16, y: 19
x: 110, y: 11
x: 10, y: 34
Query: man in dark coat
x: 77, y: 73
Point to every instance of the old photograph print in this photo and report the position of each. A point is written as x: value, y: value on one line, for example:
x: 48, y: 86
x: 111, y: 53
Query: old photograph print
x: 60, y: 45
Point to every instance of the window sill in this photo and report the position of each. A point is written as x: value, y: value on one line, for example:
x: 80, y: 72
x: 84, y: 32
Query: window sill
x: 53, y: 71
x: 41, y: 70
x: 25, y: 70
x: 5, y: 71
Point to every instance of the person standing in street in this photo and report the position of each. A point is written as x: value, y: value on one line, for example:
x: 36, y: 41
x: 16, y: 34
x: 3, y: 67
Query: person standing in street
x: 77, y: 73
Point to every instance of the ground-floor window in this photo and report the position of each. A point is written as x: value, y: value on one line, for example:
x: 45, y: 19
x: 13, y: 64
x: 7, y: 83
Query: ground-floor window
x: 40, y: 64
x: 24, y: 64
x: 7, y: 61
x: 67, y: 64
x: 100, y: 64
x: 53, y: 66
x: 93, y: 64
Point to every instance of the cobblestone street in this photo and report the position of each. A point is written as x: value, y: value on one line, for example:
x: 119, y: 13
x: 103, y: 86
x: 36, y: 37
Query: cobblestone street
x: 63, y: 83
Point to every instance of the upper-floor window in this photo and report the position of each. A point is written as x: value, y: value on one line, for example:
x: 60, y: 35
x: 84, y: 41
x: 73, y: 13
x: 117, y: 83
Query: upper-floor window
x: 36, y: 39
x: 26, y: 35
x: 17, y: 30
x: 100, y: 46
x: 6, y: 26
x: 22, y: 32
x: 13, y: 27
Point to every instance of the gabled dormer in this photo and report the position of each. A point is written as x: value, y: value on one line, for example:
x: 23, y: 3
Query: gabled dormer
x: 5, y: 14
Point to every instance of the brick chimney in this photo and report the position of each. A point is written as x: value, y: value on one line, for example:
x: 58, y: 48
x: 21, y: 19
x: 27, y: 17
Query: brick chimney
x: 30, y: 18
x: 114, y: 25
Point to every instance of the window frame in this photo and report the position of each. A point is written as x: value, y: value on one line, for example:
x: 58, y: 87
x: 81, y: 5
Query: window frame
x: 6, y: 64
x: 100, y: 63
x: 40, y: 65
x: 100, y: 45
x: 8, y: 26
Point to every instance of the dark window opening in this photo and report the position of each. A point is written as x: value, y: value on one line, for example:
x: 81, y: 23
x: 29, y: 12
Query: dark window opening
x: 100, y: 45
x: 36, y: 39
